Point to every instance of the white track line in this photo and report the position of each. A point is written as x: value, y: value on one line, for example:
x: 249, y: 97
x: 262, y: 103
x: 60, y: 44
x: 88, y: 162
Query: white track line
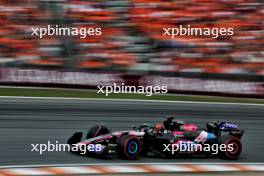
x: 131, y: 100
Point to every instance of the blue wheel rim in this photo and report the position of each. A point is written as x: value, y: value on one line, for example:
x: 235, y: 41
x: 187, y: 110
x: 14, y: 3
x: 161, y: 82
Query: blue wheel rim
x: 132, y: 147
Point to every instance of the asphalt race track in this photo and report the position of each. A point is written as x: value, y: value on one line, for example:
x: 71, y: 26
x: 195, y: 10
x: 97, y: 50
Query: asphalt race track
x: 29, y: 121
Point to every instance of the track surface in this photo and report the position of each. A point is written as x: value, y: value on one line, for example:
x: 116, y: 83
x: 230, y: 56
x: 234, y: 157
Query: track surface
x: 29, y: 121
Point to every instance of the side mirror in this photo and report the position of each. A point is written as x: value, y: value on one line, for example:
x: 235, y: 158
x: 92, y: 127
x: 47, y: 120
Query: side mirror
x: 170, y: 118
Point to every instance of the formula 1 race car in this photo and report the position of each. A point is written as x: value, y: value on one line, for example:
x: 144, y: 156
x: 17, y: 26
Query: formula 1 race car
x: 170, y: 139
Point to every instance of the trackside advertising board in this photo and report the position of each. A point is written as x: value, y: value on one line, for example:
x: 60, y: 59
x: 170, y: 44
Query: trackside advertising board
x: 92, y: 80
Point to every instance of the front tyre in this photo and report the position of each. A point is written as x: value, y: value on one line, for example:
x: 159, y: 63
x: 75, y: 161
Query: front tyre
x: 233, y: 145
x: 129, y: 147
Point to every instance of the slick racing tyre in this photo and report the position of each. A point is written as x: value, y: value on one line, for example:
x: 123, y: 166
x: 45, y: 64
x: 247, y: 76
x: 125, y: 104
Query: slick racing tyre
x: 236, y: 147
x: 129, y: 147
x: 76, y: 137
x: 97, y: 131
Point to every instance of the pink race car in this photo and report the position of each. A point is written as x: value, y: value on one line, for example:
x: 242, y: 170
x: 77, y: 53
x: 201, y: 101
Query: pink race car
x: 171, y: 139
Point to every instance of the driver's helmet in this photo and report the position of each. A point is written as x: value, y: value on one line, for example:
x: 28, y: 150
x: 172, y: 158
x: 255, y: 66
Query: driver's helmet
x: 172, y: 124
x: 158, y: 128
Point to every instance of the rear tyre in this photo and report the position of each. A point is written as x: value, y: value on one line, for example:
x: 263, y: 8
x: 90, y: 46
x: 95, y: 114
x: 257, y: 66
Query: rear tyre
x: 129, y: 147
x: 75, y: 138
x: 97, y: 131
x: 232, y: 152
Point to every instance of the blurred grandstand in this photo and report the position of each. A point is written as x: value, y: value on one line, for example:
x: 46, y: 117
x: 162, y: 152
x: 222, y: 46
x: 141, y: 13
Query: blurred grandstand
x: 132, y: 36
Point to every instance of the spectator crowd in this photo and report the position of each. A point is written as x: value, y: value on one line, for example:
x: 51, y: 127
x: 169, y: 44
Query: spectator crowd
x: 132, y: 35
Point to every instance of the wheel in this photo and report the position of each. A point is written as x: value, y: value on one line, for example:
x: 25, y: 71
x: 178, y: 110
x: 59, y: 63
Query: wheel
x: 236, y: 144
x: 129, y: 147
x: 76, y: 137
x: 97, y: 131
